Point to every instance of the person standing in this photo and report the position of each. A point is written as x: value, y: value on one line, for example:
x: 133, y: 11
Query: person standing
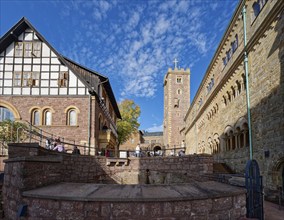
x: 137, y: 150
x: 76, y: 150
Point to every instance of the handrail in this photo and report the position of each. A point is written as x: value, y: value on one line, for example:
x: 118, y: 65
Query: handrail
x: 35, y: 133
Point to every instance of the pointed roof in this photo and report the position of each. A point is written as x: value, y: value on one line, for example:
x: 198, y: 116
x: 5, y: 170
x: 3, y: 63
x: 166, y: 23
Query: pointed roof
x: 90, y: 78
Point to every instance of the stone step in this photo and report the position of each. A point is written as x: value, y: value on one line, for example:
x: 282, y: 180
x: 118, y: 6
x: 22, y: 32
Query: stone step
x: 222, y: 168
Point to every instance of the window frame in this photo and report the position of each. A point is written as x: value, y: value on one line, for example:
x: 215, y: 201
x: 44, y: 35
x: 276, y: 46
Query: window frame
x: 69, y: 117
x: 45, y: 117
x: 179, y: 79
x: 33, y: 117
x: 21, y: 48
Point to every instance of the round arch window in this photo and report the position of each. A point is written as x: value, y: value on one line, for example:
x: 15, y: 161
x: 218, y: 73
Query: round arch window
x: 6, y: 114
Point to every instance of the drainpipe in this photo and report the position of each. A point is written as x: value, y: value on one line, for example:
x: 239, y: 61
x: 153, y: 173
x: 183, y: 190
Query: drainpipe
x: 247, y: 81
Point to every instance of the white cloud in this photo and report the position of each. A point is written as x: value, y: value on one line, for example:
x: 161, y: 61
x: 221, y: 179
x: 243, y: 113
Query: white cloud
x: 155, y: 128
x: 139, y: 42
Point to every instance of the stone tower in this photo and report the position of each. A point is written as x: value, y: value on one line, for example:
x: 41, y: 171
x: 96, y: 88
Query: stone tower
x: 176, y: 104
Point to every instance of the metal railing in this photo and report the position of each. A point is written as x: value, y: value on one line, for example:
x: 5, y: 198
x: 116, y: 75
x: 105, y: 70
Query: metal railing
x: 31, y: 133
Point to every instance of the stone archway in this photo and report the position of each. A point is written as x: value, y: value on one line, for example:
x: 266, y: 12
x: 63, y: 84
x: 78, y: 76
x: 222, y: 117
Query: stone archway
x: 278, y: 173
x: 157, y: 150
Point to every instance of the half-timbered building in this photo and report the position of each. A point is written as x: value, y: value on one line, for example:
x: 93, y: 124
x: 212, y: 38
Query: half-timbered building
x: 40, y: 86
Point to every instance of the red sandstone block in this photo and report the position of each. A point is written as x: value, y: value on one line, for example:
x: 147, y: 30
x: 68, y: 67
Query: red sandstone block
x: 201, y: 206
x: 182, y: 208
x: 222, y: 203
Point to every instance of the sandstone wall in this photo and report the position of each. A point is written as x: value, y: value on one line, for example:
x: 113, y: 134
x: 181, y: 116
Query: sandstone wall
x: 30, y: 167
x: 231, y: 207
x: 219, y: 126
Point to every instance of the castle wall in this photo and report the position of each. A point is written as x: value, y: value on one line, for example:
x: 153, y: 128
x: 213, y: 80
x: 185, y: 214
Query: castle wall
x: 219, y: 125
x: 31, y: 167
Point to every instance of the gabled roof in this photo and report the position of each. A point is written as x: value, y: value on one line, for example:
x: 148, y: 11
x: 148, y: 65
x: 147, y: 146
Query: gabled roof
x: 90, y: 78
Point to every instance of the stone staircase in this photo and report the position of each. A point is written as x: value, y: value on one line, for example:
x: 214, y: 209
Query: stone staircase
x: 224, y: 174
x: 223, y: 168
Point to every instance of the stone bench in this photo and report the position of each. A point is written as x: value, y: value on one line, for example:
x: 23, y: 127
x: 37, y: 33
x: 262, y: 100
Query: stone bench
x: 116, y: 161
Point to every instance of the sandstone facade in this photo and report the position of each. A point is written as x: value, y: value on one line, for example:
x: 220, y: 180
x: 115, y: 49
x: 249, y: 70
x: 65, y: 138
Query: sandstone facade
x: 217, y: 121
x: 176, y: 104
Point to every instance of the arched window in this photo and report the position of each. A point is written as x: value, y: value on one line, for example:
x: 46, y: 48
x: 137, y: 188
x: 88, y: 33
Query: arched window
x: 256, y: 9
x: 6, y: 114
x: 35, y: 117
x: 72, y: 117
x: 47, y: 117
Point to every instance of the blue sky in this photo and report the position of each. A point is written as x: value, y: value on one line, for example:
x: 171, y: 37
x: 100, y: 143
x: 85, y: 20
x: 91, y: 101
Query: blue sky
x: 133, y: 42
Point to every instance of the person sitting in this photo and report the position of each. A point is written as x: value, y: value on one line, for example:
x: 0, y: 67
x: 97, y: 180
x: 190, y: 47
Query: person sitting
x: 76, y: 150
x: 59, y: 147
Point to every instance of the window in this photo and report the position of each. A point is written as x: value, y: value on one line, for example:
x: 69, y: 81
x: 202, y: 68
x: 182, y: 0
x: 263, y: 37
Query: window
x: 256, y: 8
x: 179, y: 92
x: 26, y: 79
x: 210, y: 85
x: 34, y: 79
x: 28, y: 49
x: 176, y: 103
x: 200, y: 102
x: 179, y: 79
x: 36, y: 49
x: 47, y: 116
x: 225, y: 61
x: 229, y: 54
x: 72, y: 117
x: 63, y: 79
x: 36, y: 117
x: 6, y: 114
x: 235, y: 44
x: 17, y: 79
x: 19, y: 49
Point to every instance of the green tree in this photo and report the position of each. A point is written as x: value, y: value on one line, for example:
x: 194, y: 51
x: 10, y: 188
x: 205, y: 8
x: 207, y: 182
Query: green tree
x: 10, y: 131
x: 128, y: 124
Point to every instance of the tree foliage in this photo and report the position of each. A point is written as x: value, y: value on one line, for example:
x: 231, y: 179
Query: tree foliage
x: 128, y: 124
x: 10, y: 131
